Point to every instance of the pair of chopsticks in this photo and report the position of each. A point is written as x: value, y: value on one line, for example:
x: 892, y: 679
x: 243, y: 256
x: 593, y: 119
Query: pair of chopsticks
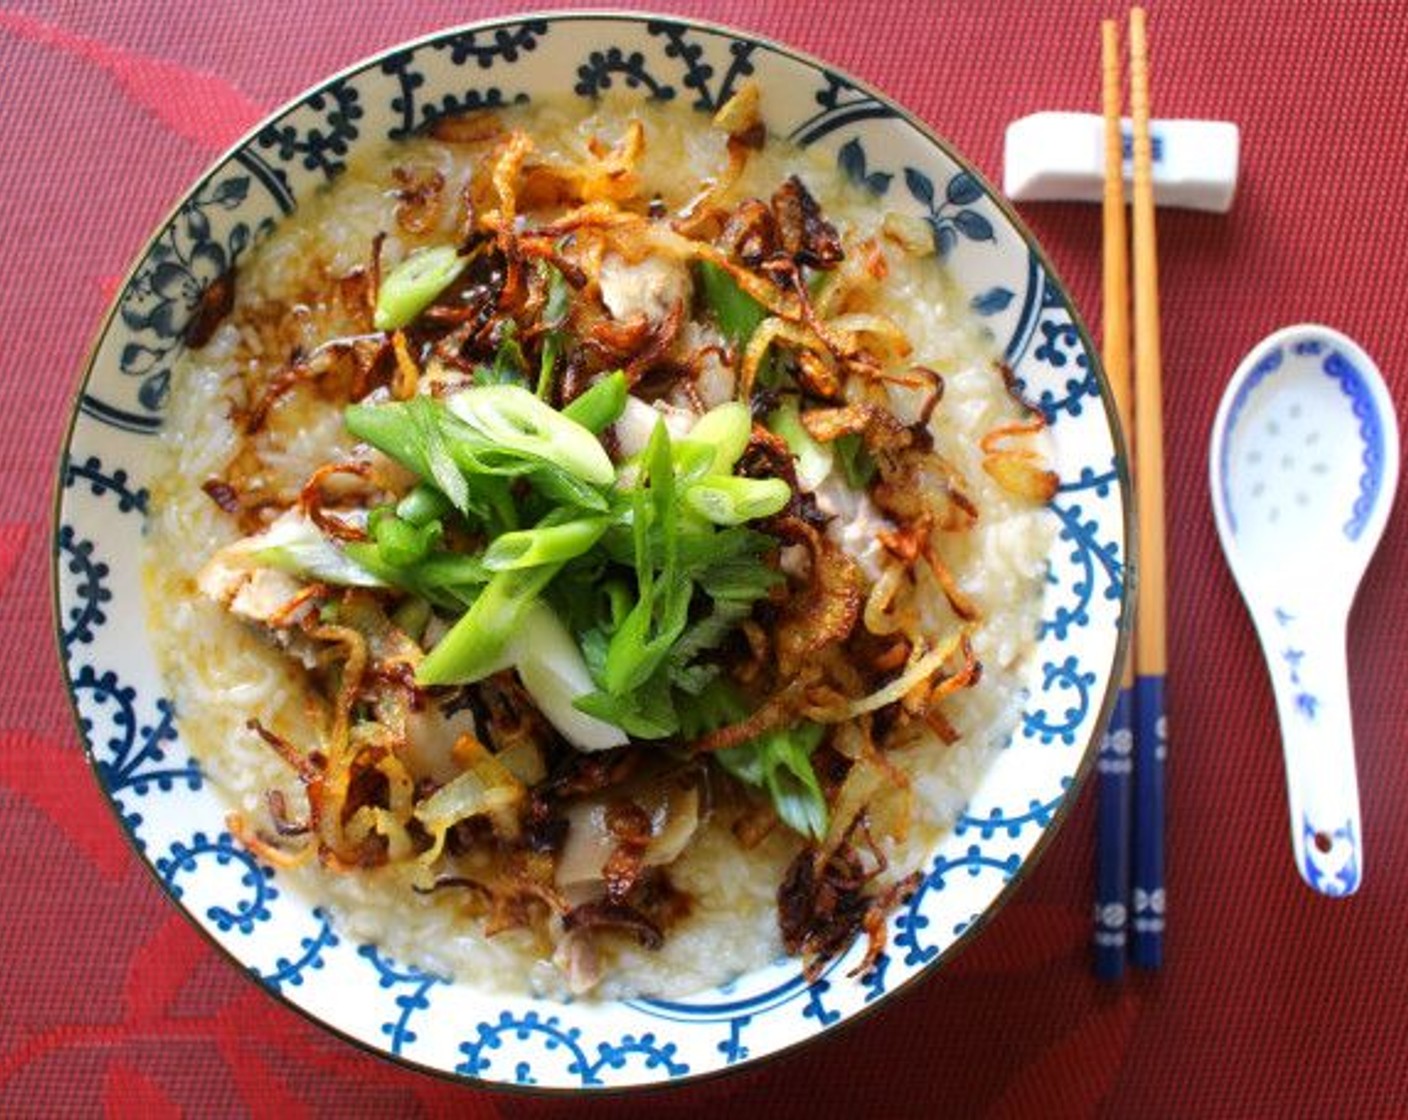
x: 1130, y: 821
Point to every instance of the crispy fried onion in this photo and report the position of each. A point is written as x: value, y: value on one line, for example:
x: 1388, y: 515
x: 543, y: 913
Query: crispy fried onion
x: 313, y: 498
x: 468, y: 128
x: 873, y: 785
x: 1015, y: 467
x: 345, y: 369
x: 328, y: 791
x: 773, y: 712
x: 419, y: 197
x: 827, y: 610
x: 908, y: 543
x: 858, y: 342
x: 365, y: 807
x: 918, y: 674
x: 916, y: 485
x: 407, y: 377
x: 854, y: 281
x: 741, y: 118
x: 485, y: 787
x: 803, y: 233
x: 608, y: 176
x: 769, y: 331
x: 635, y: 345
x: 878, y: 427
x: 825, y: 901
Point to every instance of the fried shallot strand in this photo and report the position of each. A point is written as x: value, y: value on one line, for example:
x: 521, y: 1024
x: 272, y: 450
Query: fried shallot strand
x: 328, y: 791
x: 826, y: 612
x: 312, y: 499
x: 364, y: 352
x: 272, y: 854
x: 301, y: 764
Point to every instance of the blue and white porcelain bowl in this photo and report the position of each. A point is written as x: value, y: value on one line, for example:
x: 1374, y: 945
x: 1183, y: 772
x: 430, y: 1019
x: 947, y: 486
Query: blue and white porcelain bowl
x: 176, y: 819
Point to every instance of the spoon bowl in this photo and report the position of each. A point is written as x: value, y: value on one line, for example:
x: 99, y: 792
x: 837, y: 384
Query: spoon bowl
x: 1303, y: 467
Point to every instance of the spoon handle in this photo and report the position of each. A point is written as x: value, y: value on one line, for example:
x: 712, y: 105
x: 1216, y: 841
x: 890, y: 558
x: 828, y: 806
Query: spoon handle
x: 1309, y: 673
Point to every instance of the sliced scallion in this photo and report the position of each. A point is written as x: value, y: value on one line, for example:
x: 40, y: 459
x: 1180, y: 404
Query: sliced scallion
x: 601, y: 405
x: 528, y: 548
x: 726, y: 500
x: 510, y: 417
x: 724, y: 429
x: 476, y: 644
x: 737, y: 313
x: 411, y: 287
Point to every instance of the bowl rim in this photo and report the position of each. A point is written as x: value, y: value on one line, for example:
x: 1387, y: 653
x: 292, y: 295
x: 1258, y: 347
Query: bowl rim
x: 1089, y: 751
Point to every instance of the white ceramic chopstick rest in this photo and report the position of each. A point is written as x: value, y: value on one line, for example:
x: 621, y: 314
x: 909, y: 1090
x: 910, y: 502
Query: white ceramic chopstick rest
x: 1060, y: 157
x: 1303, y: 466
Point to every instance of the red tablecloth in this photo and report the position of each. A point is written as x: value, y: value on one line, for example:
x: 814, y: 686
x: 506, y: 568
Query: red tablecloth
x: 1272, y: 1002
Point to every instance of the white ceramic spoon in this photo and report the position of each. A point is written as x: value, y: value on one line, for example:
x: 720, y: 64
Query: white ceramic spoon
x: 1303, y: 467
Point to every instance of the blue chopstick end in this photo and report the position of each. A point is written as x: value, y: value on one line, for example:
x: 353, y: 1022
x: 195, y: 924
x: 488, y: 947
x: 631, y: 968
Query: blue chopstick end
x: 1112, y: 855
x: 1148, y: 913
x: 1148, y: 952
x: 1109, y: 957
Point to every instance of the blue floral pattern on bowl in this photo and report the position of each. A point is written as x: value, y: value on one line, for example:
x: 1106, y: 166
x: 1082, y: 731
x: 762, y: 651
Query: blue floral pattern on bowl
x: 176, y: 819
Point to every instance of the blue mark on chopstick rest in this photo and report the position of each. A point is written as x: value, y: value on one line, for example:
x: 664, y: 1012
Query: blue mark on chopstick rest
x: 1371, y: 434
x: 1156, y: 145
x: 1331, y: 858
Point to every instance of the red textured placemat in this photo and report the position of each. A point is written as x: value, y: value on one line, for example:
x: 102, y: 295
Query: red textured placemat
x: 1273, y: 1001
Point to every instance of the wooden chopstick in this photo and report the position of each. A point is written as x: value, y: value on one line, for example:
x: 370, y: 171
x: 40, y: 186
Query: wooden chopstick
x: 1115, y: 313
x: 1112, y: 849
x: 1150, y: 639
